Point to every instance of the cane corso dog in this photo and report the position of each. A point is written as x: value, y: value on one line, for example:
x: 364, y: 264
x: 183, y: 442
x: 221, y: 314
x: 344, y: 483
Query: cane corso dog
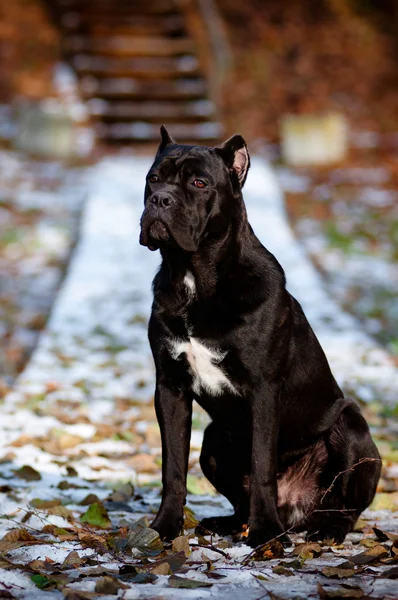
x: 284, y: 446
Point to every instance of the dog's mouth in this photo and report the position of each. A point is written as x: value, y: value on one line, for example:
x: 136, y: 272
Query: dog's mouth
x: 154, y: 234
x: 159, y: 232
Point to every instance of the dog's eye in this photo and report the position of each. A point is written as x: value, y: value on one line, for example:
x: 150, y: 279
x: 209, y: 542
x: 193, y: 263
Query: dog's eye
x: 153, y: 178
x: 199, y: 183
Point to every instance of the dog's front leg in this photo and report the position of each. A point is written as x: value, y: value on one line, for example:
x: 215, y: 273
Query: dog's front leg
x: 174, y: 413
x: 264, y: 522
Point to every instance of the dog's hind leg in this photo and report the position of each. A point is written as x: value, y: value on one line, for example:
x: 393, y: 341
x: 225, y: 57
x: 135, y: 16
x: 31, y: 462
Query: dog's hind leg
x: 349, y: 479
x: 225, y: 460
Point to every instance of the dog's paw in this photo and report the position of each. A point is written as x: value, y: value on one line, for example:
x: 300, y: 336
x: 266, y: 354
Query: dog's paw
x: 259, y: 537
x: 229, y: 525
x: 337, y: 534
x: 168, y: 529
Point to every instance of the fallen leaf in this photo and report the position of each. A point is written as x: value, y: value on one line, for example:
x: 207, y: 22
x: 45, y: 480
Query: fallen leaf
x: 161, y: 569
x: 143, y: 463
x: 19, y: 535
x: 61, y: 511
x: 292, y: 564
x: 44, y: 504
x: 90, y: 499
x: 190, y: 521
x: 273, y: 549
x: 308, y: 550
x: 174, y: 562
x: 38, y: 565
x: 78, y: 595
x: 337, y: 572
x: 181, y: 543
x: 72, y: 560
x: 368, y: 543
x: 280, y: 570
x: 97, y: 516
x: 122, y: 493
x: 41, y: 581
x: 28, y: 473
x: 71, y: 472
x: 64, y: 535
x: 131, y: 575
x: 344, y: 591
x: 369, y: 556
x: 22, y: 440
x: 182, y: 582
x: 146, y: 540
x: 109, y: 585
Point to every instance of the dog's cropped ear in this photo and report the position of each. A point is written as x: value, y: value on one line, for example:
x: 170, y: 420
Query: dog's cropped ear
x: 165, y: 141
x: 235, y: 154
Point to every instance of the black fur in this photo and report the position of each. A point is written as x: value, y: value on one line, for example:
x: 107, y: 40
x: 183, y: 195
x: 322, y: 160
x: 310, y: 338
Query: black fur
x: 288, y: 430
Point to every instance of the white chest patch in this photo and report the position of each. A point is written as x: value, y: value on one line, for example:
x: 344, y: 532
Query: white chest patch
x: 190, y: 284
x: 203, y: 363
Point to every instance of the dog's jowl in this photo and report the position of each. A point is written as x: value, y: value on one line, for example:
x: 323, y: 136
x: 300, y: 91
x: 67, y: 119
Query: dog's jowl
x: 284, y: 446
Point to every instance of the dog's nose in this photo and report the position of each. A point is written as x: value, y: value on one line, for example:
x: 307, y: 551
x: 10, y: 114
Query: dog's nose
x: 162, y: 200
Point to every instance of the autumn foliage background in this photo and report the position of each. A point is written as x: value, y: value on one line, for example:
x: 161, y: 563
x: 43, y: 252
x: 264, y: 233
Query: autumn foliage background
x: 289, y: 56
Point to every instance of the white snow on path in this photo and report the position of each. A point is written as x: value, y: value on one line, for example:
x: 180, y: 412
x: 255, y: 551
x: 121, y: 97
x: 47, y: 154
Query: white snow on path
x: 109, y: 283
x: 105, y: 296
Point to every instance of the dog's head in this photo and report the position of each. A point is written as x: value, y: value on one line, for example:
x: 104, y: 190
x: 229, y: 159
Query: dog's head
x: 191, y: 192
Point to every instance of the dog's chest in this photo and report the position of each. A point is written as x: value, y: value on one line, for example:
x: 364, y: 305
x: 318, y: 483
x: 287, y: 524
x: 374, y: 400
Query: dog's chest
x: 203, y: 359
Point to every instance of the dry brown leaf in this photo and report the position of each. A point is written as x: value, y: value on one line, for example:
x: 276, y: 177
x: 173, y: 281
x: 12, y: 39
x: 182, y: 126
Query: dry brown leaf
x: 61, y: 511
x: 143, y: 463
x: 22, y: 440
x: 72, y: 560
x: 308, y: 550
x: 370, y: 556
x: 44, y: 504
x: 273, y: 549
x: 338, y: 572
x: 345, y: 591
x: 368, y: 543
x: 161, y: 569
x: 27, y: 473
x: 109, y: 585
x: 19, y: 535
x: 190, y: 521
x: 181, y: 544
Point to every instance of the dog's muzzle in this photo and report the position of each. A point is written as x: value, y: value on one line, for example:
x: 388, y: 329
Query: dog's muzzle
x: 158, y: 231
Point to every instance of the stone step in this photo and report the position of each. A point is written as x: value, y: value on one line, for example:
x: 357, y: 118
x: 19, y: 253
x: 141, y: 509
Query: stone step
x: 155, y: 112
x: 145, y: 67
x: 132, y: 26
x: 130, y: 88
x: 149, y: 132
x: 123, y: 45
x: 118, y: 6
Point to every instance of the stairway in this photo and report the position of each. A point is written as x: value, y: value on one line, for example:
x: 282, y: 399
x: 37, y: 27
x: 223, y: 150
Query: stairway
x: 137, y: 68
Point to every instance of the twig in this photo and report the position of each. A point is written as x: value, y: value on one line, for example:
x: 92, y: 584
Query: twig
x: 262, y: 585
x: 360, y: 462
x: 211, y: 547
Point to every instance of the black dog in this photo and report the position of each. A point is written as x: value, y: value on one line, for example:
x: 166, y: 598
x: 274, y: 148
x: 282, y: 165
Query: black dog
x: 284, y: 446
